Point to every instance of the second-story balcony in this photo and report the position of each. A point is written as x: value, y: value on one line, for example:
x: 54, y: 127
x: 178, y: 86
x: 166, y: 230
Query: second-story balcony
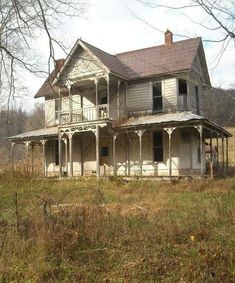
x: 83, y: 114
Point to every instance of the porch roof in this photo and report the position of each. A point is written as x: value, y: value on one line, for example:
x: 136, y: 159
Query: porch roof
x: 170, y: 119
x: 35, y: 135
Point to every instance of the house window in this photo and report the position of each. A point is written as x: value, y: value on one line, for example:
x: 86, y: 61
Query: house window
x: 56, y: 152
x: 103, y: 96
x: 104, y: 151
x: 157, y: 97
x: 158, y: 147
x: 57, y: 108
x: 182, y: 95
x: 197, y: 100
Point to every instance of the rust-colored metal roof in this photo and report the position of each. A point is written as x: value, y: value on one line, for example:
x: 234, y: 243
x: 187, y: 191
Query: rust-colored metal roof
x: 142, y: 63
x: 37, y: 134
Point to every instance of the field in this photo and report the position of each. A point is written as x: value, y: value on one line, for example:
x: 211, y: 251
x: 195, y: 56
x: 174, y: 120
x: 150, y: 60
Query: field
x: 141, y: 231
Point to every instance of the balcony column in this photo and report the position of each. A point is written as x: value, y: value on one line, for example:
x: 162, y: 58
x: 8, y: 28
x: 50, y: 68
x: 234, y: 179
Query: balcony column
x: 97, y: 136
x: 70, y: 135
x: 96, y: 98
x: 60, y: 106
x: 69, y: 85
x: 140, y: 134
x: 169, y: 132
x: 108, y: 96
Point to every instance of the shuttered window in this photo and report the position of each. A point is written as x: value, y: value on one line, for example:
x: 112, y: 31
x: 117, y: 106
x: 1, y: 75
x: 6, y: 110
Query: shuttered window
x: 158, y: 147
x: 157, y: 97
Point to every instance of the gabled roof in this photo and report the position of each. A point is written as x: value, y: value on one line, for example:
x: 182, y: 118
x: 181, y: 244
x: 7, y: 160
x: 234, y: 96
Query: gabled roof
x: 137, y: 64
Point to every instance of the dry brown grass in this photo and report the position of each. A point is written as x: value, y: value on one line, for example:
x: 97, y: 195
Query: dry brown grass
x: 113, y: 231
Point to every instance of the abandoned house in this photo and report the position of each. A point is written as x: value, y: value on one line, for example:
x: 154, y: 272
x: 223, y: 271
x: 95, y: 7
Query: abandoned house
x: 136, y: 113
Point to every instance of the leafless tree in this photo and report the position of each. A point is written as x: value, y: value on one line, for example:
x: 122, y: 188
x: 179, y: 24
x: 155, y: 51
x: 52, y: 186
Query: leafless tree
x: 21, y: 23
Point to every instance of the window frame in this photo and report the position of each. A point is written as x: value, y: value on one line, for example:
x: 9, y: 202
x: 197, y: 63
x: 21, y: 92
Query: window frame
x: 158, y: 96
x: 183, y: 95
x: 163, y: 147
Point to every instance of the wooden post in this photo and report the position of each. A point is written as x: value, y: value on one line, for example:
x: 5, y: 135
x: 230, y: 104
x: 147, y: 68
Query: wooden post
x: 66, y: 155
x: 108, y: 98
x: 118, y: 98
x: 127, y: 155
x: 211, y: 157
x: 223, y: 153
x: 97, y: 98
x: 140, y: 134
x: 226, y: 154
x: 12, y: 156
x: 60, y: 105
x: 217, y: 147
x: 70, y: 103
x: 44, y: 158
x: 169, y: 131
x: 81, y: 155
x: 32, y: 161
x: 60, y: 155
x: 114, y: 154
x: 97, y: 135
x: 71, y: 153
x: 27, y: 156
x: 201, y: 148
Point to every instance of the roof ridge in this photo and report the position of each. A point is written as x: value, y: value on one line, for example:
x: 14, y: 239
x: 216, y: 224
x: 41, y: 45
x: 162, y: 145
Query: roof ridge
x: 157, y: 46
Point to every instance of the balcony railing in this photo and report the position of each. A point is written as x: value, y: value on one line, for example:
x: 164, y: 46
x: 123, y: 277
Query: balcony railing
x: 84, y: 114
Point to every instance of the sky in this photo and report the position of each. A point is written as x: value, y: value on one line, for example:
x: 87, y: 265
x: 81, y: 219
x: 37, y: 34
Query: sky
x: 117, y: 26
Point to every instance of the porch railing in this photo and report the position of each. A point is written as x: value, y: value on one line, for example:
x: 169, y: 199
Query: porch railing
x: 84, y: 114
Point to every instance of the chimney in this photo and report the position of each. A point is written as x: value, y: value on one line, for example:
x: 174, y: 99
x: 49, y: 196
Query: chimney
x: 59, y: 63
x: 168, y: 38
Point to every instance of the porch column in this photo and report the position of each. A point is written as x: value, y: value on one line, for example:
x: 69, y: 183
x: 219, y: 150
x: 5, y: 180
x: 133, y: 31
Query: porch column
x: 27, y: 156
x: 68, y: 84
x: 32, y: 161
x: 226, y: 154
x: 118, y: 98
x: 43, y: 142
x: 81, y: 155
x: 96, y: 98
x: 217, y: 147
x: 108, y: 97
x: 60, y: 104
x: 200, y: 130
x: 223, y: 153
x: 97, y: 135
x: 70, y: 135
x: 140, y: 134
x: 114, y: 154
x: 127, y: 155
x: 169, y: 132
x: 60, y: 155
x: 12, y: 155
x: 66, y: 154
x: 211, y: 157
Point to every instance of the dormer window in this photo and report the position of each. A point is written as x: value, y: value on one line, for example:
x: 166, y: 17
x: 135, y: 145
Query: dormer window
x: 157, y: 96
x: 182, y: 95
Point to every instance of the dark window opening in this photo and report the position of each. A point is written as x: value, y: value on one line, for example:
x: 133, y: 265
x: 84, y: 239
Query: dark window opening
x: 182, y: 95
x: 197, y: 100
x: 157, y: 97
x: 103, y: 100
x: 104, y: 151
x: 56, y: 153
x: 158, y: 147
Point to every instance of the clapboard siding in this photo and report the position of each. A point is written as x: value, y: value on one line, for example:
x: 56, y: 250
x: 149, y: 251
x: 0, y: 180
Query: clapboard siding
x: 49, y: 112
x: 169, y: 95
x: 139, y: 97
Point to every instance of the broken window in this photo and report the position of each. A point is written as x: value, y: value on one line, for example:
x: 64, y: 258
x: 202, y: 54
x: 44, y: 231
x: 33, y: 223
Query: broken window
x: 182, y: 95
x: 158, y: 147
x: 157, y: 97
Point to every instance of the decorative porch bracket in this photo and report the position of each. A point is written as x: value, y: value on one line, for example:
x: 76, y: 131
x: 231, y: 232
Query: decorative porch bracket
x: 169, y: 132
x: 140, y: 135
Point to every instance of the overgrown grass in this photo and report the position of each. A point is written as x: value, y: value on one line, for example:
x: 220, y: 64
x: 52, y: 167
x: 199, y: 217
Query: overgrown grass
x: 141, y: 231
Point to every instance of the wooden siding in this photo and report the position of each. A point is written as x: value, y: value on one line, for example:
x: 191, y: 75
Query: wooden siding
x: 49, y: 112
x: 169, y: 87
x: 139, y: 97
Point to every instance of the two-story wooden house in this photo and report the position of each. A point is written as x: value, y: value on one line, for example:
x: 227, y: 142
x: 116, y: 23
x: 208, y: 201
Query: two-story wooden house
x: 135, y: 113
